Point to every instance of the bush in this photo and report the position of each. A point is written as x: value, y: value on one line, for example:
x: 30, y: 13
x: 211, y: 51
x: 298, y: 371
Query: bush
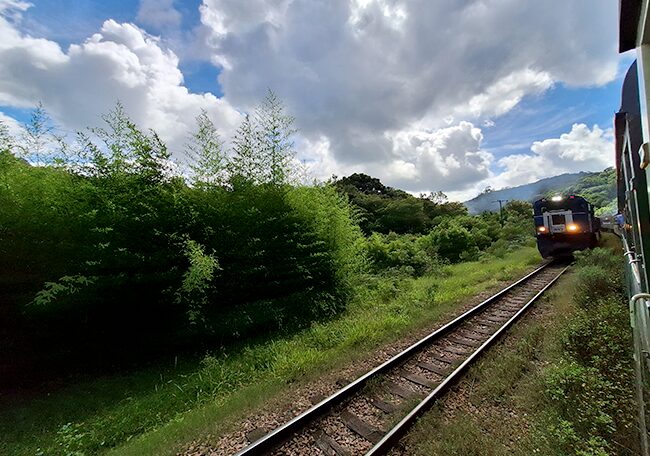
x: 599, y: 275
x: 116, y: 256
x: 451, y: 241
x: 584, y: 423
x: 404, y: 253
x: 592, y: 388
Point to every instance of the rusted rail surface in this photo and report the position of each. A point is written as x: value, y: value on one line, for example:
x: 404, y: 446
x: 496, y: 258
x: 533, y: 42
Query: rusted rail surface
x: 353, y: 420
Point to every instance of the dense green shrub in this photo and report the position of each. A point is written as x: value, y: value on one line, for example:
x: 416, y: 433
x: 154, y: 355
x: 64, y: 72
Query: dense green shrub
x: 114, y: 253
x: 403, y: 253
x: 584, y: 423
x: 451, y: 241
x: 599, y: 276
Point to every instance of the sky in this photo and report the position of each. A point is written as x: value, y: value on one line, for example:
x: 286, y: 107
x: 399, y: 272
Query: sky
x: 445, y: 95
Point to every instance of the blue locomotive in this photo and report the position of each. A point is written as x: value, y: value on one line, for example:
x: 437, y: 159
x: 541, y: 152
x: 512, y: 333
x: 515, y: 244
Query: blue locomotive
x: 564, y: 224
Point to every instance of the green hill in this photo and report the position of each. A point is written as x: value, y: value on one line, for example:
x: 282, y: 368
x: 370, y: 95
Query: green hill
x: 598, y: 188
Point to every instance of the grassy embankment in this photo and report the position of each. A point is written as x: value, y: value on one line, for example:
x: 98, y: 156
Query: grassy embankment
x: 157, y: 411
x: 561, y: 384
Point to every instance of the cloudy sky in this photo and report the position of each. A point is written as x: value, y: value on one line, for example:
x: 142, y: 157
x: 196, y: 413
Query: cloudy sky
x: 427, y: 95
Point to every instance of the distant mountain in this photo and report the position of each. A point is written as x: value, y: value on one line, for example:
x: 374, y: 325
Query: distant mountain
x: 529, y: 192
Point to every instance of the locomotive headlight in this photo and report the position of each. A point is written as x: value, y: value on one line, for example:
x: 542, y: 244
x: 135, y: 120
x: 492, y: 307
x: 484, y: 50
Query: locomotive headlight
x: 541, y: 229
x: 556, y: 198
x: 572, y: 227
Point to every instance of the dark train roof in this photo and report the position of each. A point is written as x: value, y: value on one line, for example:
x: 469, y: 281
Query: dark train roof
x: 629, y: 13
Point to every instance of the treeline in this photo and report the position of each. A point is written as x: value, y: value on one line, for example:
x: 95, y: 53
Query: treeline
x: 108, y: 252
x: 111, y: 252
x: 597, y: 188
x: 415, y: 234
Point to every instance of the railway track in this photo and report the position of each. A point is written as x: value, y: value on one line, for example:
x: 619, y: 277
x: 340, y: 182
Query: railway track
x: 369, y: 415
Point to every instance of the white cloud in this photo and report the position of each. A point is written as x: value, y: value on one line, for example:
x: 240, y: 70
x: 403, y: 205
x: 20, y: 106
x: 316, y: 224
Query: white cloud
x: 394, y: 88
x: 507, y: 92
x: 120, y: 62
x: 448, y: 158
x: 581, y: 149
x: 374, y: 77
x: 15, y: 129
x: 158, y: 13
x: 13, y: 8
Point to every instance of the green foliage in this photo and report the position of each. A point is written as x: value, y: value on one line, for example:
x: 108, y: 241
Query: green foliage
x: 275, y: 130
x: 577, y: 393
x: 196, y: 280
x: 71, y: 440
x: 208, y: 160
x: 118, y: 252
x: 384, y: 209
x: 591, y: 389
x: 452, y: 241
x: 599, y: 275
x: 405, y: 253
x: 597, y: 188
x: 66, y: 286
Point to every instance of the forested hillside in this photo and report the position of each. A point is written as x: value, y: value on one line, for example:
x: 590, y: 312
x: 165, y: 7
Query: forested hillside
x: 598, y: 188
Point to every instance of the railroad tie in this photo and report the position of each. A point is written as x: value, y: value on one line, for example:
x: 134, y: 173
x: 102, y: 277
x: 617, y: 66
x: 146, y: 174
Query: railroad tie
x: 485, y: 332
x: 256, y: 434
x: 502, y: 314
x: 494, y: 319
x: 417, y: 379
x: 342, y: 382
x: 433, y: 368
x: 316, y: 398
x: 329, y: 446
x: 384, y: 406
x: 465, y: 341
x: 511, y: 308
x: 440, y: 358
x: 469, y: 335
x: 457, y: 350
x: 399, y: 390
x: 365, y: 430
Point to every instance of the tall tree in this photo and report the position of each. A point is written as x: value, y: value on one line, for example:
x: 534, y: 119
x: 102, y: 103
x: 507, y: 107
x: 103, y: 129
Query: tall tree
x: 276, y: 129
x: 36, y: 135
x: 246, y: 163
x: 127, y: 149
x: 205, y: 152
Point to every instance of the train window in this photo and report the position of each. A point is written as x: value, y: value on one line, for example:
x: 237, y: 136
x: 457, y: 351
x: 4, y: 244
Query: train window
x: 557, y: 219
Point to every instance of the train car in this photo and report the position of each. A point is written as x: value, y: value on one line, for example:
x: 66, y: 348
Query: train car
x: 632, y: 148
x: 564, y: 224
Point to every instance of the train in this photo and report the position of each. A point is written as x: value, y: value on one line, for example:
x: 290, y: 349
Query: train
x: 564, y: 224
x: 632, y: 155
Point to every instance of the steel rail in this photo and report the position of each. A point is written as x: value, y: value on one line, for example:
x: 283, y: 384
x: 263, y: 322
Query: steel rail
x: 393, y: 436
x: 276, y: 437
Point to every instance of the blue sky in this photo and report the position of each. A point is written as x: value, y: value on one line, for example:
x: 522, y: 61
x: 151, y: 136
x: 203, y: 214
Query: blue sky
x: 549, y: 115
x: 523, y: 92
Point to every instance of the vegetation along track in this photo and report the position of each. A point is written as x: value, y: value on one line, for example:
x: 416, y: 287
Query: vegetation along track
x: 369, y: 415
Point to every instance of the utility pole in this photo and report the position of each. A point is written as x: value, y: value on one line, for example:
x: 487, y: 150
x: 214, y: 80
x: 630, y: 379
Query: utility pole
x: 501, y: 202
